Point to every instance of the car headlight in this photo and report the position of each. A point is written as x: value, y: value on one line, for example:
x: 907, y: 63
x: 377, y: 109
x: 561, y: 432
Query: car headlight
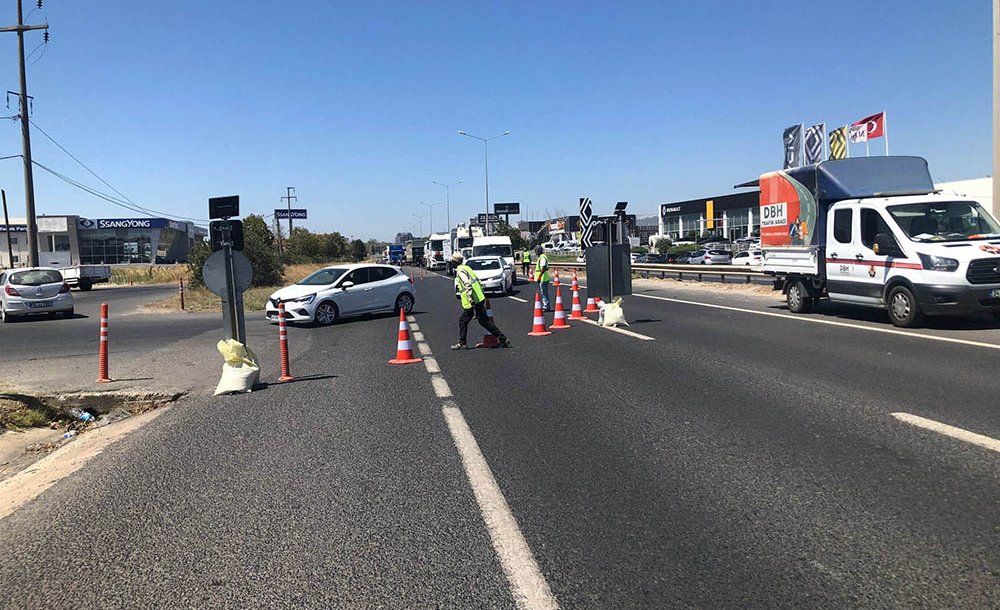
x: 309, y: 298
x: 938, y: 263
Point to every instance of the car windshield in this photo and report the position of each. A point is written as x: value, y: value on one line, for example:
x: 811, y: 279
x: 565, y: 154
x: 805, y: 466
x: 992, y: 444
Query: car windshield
x: 484, y: 265
x: 323, y: 277
x: 493, y: 250
x: 945, y: 221
x: 36, y: 277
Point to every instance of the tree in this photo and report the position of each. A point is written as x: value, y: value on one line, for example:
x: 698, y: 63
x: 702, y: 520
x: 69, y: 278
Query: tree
x: 333, y: 246
x: 663, y: 246
x: 196, y: 258
x: 259, y: 247
x: 358, y: 250
x: 303, y: 246
x: 504, y: 229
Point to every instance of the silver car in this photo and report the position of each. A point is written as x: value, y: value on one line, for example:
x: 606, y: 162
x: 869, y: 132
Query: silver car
x: 711, y: 257
x: 494, y: 274
x: 34, y: 291
x: 340, y: 291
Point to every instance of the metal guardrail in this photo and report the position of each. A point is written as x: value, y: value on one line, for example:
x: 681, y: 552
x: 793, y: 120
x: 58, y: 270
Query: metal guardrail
x: 645, y: 269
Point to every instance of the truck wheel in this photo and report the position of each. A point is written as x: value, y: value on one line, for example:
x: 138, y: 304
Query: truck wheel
x: 85, y: 284
x: 903, y: 308
x: 798, y: 298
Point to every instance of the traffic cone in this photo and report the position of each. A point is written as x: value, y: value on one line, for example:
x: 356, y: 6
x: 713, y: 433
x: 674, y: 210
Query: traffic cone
x: 404, y: 347
x: 489, y: 340
x: 555, y: 279
x: 591, y: 305
x: 560, y: 317
x: 577, y: 312
x: 538, y: 328
x: 574, y: 275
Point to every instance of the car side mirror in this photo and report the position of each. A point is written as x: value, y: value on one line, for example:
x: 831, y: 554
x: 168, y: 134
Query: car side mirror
x: 885, y: 245
x: 346, y: 285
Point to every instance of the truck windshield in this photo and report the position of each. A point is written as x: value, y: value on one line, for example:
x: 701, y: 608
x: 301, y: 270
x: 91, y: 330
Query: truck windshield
x: 493, y: 250
x: 945, y: 221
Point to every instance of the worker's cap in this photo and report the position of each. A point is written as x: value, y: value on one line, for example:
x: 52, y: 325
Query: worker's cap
x: 457, y: 257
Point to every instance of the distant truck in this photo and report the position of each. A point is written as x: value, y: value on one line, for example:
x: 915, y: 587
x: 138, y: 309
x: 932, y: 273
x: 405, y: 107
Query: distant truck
x: 437, y: 251
x: 395, y: 254
x: 414, y: 250
x: 463, y: 242
x: 85, y: 276
x: 874, y: 231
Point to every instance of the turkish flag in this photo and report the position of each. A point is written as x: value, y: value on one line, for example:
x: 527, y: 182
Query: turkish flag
x: 874, y: 125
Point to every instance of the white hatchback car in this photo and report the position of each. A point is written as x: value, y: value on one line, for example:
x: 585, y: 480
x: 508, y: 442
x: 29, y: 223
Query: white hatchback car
x: 34, y: 291
x: 494, y: 274
x: 344, y: 290
x: 752, y: 258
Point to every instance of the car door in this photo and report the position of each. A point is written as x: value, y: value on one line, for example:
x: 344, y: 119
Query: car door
x: 357, y: 298
x: 383, y: 288
x: 843, y: 257
x: 875, y: 268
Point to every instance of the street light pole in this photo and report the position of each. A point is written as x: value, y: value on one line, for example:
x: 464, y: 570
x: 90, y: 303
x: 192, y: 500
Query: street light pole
x: 447, y: 202
x: 420, y: 224
x: 430, y: 208
x: 486, y: 159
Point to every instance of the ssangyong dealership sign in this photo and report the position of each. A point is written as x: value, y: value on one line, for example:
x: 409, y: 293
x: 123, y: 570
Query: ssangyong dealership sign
x: 123, y: 223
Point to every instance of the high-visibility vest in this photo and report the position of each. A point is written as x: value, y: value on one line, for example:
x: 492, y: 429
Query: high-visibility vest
x: 542, y: 271
x: 526, y: 257
x: 477, y: 289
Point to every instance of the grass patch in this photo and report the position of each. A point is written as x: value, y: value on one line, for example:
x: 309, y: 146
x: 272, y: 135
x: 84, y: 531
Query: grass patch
x: 25, y: 412
x: 149, y: 274
x: 254, y: 299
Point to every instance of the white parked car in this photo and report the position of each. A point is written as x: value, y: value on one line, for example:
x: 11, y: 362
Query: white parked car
x: 752, y: 258
x: 344, y: 290
x: 34, y: 291
x: 494, y: 273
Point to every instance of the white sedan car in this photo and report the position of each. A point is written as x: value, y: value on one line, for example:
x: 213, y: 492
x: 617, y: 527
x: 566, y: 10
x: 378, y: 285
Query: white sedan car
x: 344, y: 290
x: 751, y: 258
x: 33, y: 291
x: 494, y: 274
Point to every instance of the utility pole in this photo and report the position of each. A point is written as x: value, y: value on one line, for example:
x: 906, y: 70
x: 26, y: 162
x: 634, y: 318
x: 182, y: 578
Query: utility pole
x: 288, y: 198
x: 29, y: 181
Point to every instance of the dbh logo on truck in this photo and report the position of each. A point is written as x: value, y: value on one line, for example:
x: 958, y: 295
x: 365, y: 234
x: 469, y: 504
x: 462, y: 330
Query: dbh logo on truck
x: 774, y: 215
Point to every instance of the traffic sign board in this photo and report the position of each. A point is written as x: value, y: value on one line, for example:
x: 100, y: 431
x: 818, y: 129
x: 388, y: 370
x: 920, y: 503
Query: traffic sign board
x: 492, y: 218
x: 214, y: 272
x: 507, y: 208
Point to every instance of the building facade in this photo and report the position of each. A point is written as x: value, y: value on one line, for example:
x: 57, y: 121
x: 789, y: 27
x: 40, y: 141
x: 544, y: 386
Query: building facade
x: 64, y: 241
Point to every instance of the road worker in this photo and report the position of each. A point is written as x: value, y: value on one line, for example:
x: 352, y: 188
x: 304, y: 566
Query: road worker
x: 469, y: 291
x: 542, y: 276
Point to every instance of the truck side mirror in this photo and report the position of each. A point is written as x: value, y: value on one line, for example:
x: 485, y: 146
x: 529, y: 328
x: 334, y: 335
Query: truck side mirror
x: 885, y: 245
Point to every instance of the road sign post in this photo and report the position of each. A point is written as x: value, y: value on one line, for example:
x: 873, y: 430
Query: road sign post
x: 228, y: 272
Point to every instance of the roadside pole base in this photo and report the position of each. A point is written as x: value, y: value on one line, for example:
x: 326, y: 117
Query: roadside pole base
x: 405, y: 360
x: 285, y: 378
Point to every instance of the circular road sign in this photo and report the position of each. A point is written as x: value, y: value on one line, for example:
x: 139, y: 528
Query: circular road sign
x: 214, y: 272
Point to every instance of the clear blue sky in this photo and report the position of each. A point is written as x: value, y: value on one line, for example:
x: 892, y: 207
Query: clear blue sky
x: 358, y: 104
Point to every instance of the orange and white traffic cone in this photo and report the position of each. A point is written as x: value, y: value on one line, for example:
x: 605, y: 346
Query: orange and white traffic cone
x: 404, y: 347
x: 560, y: 317
x: 574, y: 275
x: 591, y: 305
x: 555, y: 279
x: 538, y: 327
x: 577, y: 311
x: 489, y: 340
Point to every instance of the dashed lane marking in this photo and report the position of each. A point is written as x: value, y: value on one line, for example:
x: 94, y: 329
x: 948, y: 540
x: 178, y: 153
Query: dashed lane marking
x: 416, y: 335
x: 414, y: 326
x: 424, y: 349
x: 873, y: 329
x: 620, y: 330
x: 958, y: 433
x: 528, y: 586
x: 518, y: 299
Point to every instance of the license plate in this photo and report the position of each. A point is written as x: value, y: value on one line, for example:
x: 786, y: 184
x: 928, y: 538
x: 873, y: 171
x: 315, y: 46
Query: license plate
x: 995, y: 293
x: 39, y: 304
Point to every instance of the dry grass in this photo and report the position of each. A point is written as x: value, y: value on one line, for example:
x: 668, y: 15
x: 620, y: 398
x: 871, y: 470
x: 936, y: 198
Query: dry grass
x: 254, y: 299
x: 149, y: 274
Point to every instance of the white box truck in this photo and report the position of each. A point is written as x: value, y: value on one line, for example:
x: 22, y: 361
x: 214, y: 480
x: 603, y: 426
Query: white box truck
x: 873, y: 231
x: 437, y: 251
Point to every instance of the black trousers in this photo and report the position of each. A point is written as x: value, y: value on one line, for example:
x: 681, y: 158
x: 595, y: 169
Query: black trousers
x: 525, y: 267
x: 478, y: 312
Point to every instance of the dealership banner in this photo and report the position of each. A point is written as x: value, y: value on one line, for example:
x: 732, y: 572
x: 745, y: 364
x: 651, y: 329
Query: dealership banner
x: 793, y: 146
x: 838, y: 143
x: 814, y: 143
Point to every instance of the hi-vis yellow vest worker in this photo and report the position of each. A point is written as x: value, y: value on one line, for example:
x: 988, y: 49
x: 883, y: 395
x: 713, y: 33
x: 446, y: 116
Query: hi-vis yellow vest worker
x: 526, y: 257
x: 470, y: 278
x: 542, y: 268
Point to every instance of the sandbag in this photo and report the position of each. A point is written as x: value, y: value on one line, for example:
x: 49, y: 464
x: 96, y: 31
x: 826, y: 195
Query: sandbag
x: 240, y: 372
x: 612, y: 314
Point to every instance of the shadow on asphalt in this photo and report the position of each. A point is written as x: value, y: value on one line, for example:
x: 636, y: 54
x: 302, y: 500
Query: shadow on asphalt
x: 265, y: 385
x: 851, y: 313
x: 646, y: 320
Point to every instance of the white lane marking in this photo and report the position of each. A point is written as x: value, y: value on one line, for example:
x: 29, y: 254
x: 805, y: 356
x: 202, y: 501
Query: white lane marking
x: 530, y: 589
x: 424, y: 349
x: 414, y: 326
x: 431, y: 364
x: 518, y: 299
x: 417, y: 336
x: 962, y: 435
x: 889, y: 331
x: 620, y: 330
x: 441, y: 388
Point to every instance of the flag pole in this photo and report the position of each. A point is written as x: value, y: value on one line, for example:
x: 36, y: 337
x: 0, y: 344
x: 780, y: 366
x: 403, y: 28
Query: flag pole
x: 867, y: 152
x: 885, y: 131
x: 847, y: 143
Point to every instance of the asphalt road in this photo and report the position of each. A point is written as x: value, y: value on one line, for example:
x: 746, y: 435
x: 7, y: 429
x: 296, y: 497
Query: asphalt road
x: 743, y: 457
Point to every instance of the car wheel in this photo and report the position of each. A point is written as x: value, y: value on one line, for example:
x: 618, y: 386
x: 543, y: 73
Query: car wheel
x: 85, y: 285
x: 904, y: 311
x: 510, y: 288
x: 798, y: 298
x: 404, y: 302
x: 326, y: 313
